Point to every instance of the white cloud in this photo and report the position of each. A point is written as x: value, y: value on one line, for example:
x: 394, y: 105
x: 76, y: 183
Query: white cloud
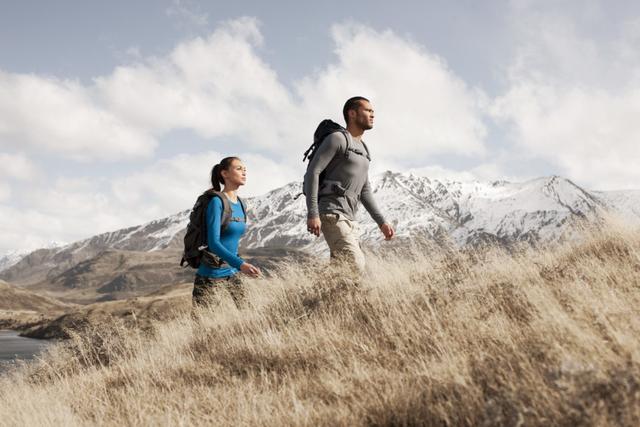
x: 60, y: 115
x: 187, y: 14
x: 5, y: 191
x: 171, y: 185
x: 69, y: 209
x: 422, y: 107
x: 592, y: 134
x: 483, y: 172
x: 219, y: 87
x: 216, y: 86
x: 23, y: 229
x: 574, y: 100
x: 66, y: 209
x: 16, y: 166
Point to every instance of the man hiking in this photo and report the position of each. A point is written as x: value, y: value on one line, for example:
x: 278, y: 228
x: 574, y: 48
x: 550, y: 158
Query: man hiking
x: 337, y: 179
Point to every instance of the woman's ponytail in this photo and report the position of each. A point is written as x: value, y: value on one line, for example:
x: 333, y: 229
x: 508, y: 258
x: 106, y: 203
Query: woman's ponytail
x: 216, y: 177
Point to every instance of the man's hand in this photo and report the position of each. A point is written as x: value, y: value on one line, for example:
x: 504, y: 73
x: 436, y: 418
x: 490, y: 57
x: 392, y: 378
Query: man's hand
x: 387, y: 230
x: 313, y: 226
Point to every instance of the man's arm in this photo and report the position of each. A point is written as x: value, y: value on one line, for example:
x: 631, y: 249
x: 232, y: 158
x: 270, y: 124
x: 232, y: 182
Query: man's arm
x: 320, y: 161
x: 366, y: 197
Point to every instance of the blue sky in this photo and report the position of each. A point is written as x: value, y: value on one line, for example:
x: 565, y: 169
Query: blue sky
x: 112, y: 114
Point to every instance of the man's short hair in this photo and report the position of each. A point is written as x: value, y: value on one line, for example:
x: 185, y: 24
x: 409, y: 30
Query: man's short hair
x: 352, y: 104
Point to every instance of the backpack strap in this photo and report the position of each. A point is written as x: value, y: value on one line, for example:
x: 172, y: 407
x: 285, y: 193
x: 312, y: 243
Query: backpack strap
x: 244, y: 209
x: 367, y: 150
x: 226, y: 209
x: 347, y: 149
x: 335, y: 161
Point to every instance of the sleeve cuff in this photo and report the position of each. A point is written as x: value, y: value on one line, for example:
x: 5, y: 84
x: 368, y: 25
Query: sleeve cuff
x: 237, y: 263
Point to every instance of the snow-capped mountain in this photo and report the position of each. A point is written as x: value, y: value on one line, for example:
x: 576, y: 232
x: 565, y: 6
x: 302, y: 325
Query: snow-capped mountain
x: 155, y: 235
x: 626, y: 204
x: 13, y: 257
x: 537, y: 210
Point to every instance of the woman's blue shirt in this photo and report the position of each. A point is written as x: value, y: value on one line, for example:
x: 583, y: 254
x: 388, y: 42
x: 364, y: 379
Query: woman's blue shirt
x: 225, y: 244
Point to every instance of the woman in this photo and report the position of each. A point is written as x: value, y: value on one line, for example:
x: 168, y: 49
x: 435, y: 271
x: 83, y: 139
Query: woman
x: 221, y: 264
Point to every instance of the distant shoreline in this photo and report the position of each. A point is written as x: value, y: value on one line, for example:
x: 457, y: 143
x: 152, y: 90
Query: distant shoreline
x: 15, y: 347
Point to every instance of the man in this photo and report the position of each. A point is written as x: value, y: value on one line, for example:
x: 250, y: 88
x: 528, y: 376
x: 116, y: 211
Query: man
x: 332, y: 203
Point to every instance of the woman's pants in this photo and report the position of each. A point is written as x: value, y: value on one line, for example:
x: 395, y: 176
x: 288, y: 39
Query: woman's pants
x: 208, y: 291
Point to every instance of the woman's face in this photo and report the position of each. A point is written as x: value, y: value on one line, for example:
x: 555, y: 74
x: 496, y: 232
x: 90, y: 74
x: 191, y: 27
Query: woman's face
x: 236, y: 174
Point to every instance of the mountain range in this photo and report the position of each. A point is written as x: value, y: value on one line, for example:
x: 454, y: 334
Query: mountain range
x: 121, y: 263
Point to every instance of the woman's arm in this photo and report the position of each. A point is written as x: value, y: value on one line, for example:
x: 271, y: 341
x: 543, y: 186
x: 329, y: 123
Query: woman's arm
x: 214, y: 223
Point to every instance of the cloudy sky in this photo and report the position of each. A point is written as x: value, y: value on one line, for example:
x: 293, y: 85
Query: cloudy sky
x: 112, y: 113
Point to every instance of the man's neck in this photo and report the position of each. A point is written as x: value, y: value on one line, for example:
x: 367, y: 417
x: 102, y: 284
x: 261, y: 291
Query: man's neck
x: 355, y: 131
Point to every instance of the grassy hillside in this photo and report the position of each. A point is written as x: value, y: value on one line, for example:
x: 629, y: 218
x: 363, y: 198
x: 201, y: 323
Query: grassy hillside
x: 441, y: 337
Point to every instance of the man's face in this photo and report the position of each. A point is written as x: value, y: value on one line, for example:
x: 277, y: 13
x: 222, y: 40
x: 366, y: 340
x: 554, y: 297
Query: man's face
x: 364, y: 115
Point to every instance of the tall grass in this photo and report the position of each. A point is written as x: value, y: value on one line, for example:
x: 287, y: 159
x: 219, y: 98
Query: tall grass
x: 437, y: 337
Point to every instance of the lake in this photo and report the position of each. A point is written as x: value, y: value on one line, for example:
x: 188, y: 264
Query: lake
x: 13, y: 347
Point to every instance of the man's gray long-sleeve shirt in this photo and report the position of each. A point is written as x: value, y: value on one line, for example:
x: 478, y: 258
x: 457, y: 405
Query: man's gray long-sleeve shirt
x: 346, y: 180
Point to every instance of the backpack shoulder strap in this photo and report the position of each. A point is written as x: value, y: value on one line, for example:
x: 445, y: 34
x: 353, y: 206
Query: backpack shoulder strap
x: 244, y: 208
x: 337, y: 159
x: 347, y: 149
x: 367, y: 150
x: 226, y: 209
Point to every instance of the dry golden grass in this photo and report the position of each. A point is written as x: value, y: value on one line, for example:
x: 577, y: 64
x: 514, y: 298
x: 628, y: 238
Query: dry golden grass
x: 539, y: 337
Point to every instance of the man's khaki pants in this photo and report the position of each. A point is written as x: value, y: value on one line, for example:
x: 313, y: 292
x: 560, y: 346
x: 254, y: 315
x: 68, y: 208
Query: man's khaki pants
x: 343, y: 237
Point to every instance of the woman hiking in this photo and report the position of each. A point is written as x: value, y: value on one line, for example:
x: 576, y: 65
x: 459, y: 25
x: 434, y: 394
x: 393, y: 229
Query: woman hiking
x: 220, y: 266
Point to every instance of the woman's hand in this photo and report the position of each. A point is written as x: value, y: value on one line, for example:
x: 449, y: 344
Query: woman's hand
x: 249, y: 269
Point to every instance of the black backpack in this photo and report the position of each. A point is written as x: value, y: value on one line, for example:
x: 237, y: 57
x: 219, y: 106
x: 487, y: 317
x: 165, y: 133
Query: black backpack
x: 195, y: 239
x: 324, y: 129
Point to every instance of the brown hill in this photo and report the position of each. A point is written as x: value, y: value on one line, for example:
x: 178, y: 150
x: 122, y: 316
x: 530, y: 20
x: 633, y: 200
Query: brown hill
x: 20, y: 308
x: 163, y: 304
x: 44, y: 264
x: 120, y: 274
x: 134, y: 287
x: 115, y: 274
x: 18, y: 299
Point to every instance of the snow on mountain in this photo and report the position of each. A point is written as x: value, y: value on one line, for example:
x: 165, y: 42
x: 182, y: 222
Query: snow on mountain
x: 537, y: 210
x: 11, y: 258
x: 625, y: 205
x: 151, y: 236
x: 156, y: 235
